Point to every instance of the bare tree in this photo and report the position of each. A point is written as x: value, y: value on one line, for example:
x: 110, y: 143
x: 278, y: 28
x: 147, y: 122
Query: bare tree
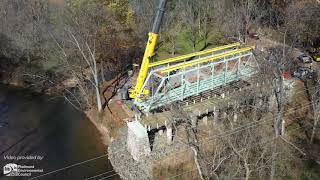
x: 243, y: 153
x: 301, y: 18
x: 171, y: 29
x: 315, y: 101
x: 240, y: 16
x: 207, y: 17
x: 182, y: 117
x: 25, y: 24
x: 277, y: 62
x: 77, y: 43
x: 191, y: 18
x: 144, y: 12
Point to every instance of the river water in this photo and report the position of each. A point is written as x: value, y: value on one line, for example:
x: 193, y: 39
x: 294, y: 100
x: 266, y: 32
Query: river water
x: 52, y: 134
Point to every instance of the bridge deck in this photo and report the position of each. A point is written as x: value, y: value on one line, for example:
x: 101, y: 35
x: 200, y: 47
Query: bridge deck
x: 202, y: 103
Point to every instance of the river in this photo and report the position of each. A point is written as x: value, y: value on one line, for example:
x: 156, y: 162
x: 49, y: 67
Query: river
x: 55, y: 137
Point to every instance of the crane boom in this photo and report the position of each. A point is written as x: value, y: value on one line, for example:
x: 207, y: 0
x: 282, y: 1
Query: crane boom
x: 149, y: 52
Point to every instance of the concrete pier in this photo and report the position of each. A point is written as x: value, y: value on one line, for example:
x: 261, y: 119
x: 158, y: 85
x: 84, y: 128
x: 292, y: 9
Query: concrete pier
x: 235, y: 117
x: 205, y: 120
x: 215, y: 116
x: 169, y: 134
x: 194, y: 121
x: 137, y: 141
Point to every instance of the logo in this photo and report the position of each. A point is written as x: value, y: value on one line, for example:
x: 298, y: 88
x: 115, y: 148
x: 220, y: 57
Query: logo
x: 10, y: 169
x: 20, y: 170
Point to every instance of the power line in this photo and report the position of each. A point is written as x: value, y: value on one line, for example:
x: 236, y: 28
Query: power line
x: 238, y: 129
x: 298, y: 92
x: 98, y: 175
x: 233, y: 131
x: 272, y: 139
x: 108, y: 177
x: 70, y: 166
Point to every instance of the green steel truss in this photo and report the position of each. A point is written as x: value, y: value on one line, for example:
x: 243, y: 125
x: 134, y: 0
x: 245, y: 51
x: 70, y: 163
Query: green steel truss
x: 166, y: 88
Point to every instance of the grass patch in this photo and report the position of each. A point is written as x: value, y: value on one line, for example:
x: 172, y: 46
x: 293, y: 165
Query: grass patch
x: 176, y: 166
x: 184, y: 44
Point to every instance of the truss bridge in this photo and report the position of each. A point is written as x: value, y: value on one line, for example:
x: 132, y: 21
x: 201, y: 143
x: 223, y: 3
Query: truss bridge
x: 178, y: 78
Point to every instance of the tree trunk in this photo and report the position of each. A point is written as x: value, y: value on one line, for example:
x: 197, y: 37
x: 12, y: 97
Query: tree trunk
x: 248, y: 172
x: 205, y: 31
x: 102, y: 72
x: 193, y: 42
x: 193, y: 38
x: 314, y: 128
x: 173, y: 51
x: 273, y: 162
x: 99, y: 104
x: 197, y: 162
x: 28, y: 59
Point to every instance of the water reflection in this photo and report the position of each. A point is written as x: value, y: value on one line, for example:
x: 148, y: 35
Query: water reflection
x: 36, y: 125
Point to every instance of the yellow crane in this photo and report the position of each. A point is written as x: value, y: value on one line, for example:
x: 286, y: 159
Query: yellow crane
x: 139, y: 90
x: 149, y: 52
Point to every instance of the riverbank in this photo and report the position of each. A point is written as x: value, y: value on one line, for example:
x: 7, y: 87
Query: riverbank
x: 110, y: 121
x: 46, y: 126
x: 166, y: 160
x: 33, y: 79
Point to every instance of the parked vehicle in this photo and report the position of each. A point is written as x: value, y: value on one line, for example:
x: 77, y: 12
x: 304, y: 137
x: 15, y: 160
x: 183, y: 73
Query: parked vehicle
x: 303, y: 73
x: 254, y: 35
x: 305, y: 58
x: 316, y: 57
x: 314, y: 53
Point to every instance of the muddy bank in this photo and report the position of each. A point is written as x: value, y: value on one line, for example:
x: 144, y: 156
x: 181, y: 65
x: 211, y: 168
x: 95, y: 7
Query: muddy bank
x: 97, y: 119
x: 30, y: 76
x: 111, y: 121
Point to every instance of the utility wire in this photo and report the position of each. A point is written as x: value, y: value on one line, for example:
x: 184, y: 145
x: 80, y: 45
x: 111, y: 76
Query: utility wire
x: 108, y: 177
x: 231, y: 132
x: 236, y: 130
x: 229, y: 155
x: 210, y: 138
x: 70, y: 166
x: 270, y: 140
x: 99, y: 175
x: 298, y: 92
x: 242, y: 128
